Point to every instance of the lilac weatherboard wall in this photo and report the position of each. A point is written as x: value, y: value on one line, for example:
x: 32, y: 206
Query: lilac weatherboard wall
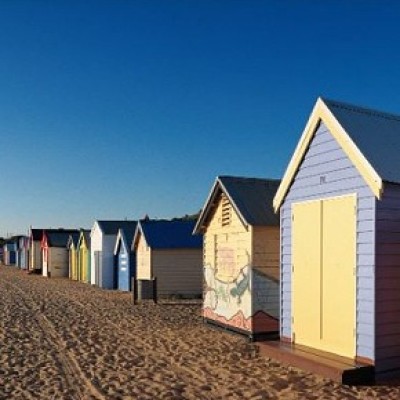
x: 326, y: 158
x: 348, y: 150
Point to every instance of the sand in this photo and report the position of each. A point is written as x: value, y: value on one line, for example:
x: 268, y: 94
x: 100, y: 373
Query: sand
x: 61, y: 339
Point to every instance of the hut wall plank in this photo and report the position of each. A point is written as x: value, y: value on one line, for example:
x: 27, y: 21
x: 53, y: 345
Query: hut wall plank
x: 178, y: 271
x: 318, y: 177
x: 96, y: 244
x: 107, y: 266
x: 143, y: 259
x: 58, y: 262
x: 388, y: 279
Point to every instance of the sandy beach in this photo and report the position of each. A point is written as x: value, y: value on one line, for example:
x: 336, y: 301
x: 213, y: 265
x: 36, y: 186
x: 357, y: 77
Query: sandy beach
x: 66, y: 340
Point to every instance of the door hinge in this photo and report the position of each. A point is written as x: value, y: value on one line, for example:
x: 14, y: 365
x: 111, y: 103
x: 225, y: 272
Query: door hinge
x: 292, y: 320
x: 292, y: 217
x: 292, y: 267
x: 354, y: 332
x: 294, y: 337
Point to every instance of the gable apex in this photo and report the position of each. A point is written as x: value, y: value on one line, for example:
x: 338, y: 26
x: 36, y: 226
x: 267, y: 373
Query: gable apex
x: 251, y: 199
x: 323, y: 111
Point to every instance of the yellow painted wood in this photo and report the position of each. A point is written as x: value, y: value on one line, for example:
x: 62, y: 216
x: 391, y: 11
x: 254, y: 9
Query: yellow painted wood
x: 83, y: 265
x: 339, y: 276
x: 35, y: 256
x: 322, y: 113
x: 143, y: 259
x: 323, y: 277
x: 306, y: 273
x: 73, y: 263
x: 227, y: 246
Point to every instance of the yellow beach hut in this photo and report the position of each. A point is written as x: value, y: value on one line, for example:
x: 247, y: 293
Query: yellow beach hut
x: 83, y: 247
x: 241, y: 255
x: 73, y: 256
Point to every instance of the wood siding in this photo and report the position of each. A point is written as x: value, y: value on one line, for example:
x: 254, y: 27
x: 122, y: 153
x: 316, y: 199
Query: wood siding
x: 325, y: 172
x: 125, y: 266
x: 96, y: 244
x: 105, y: 245
x: 107, y: 266
x: 387, y: 284
x: 57, y: 263
x: 234, y: 236
x: 178, y: 271
x: 35, y: 254
x: 143, y: 259
x: 266, y: 244
x: 265, y: 264
x: 241, y: 272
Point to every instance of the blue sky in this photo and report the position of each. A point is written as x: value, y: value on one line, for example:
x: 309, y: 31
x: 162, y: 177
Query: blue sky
x: 114, y: 109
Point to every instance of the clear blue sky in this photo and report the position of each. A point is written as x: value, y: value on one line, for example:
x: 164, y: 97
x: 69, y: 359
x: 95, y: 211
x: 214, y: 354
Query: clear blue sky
x: 114, y: 109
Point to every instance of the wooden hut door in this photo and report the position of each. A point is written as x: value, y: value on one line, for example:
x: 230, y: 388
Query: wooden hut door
x: 323, y: 274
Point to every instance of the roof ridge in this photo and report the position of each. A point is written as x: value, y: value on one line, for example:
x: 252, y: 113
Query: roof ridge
x: 250, y: 178
x: 362, y: 109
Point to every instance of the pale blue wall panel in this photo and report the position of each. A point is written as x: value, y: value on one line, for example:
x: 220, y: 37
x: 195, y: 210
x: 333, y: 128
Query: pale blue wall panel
x: 326, y: 171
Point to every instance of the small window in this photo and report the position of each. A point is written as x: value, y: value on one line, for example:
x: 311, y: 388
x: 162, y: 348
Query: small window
x: 226, y: 211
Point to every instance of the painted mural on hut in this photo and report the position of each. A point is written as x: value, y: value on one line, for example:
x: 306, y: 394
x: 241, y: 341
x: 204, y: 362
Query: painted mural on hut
x: 240, y: 296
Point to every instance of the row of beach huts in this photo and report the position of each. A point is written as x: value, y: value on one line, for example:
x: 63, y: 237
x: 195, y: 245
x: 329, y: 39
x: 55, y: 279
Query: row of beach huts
x: 115, y: 253
x: 314, y: 256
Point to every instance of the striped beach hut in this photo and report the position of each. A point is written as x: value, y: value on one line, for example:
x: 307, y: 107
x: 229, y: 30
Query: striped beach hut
x: 55, y: 252
x: 167, y: 251
x: 103, y: 236
x: 339, y: 205
x: 241, y: 255
x: 125, y: 259
x: 84, y: 256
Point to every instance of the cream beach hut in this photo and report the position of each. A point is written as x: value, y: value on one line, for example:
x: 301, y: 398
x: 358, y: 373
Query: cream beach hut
x: 241, y: 255
x: 168, y: 251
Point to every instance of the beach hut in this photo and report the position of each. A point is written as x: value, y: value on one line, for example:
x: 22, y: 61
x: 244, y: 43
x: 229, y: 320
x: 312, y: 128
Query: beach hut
x: 339, y: 205
x: 23, y: 252
x: 103, y: 236
x: 18, y: 250
x: 35, y: 251
x: 72, y: 246
x: 84, y: 256
x: 55, y: 252
x: 241, y: 255
x: 167, y: 251
x: 125, y: 259
x: 10, y: 252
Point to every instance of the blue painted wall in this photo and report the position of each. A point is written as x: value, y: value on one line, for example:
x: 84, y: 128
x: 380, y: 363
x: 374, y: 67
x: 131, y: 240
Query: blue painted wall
x: 326, y: 158
x: 12, y: 257
x: 125, y: 267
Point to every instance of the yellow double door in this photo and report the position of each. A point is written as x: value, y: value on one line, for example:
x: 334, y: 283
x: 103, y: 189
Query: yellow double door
x: 324, y: 274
